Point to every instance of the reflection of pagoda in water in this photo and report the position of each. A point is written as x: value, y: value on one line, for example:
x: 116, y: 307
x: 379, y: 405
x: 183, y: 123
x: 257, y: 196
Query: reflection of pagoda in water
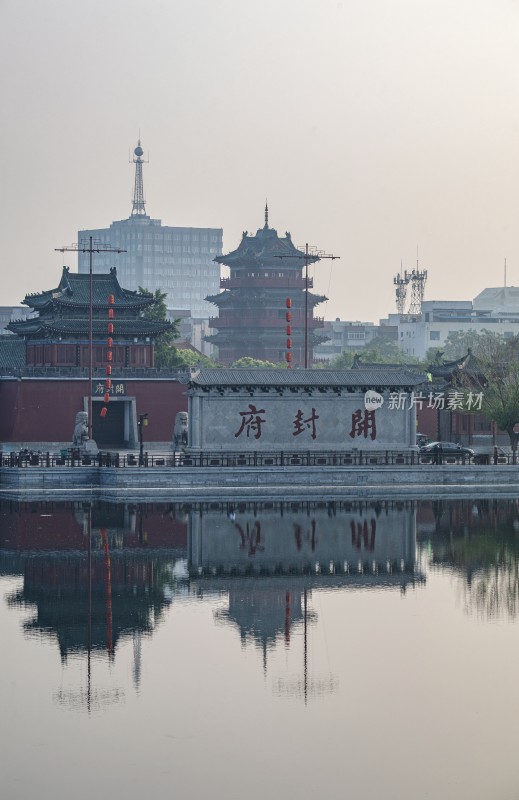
x: 264, y: 559
x: 56, y: 588
x: 269, y: 557
x: 90, y: 597
x: 262, y: 612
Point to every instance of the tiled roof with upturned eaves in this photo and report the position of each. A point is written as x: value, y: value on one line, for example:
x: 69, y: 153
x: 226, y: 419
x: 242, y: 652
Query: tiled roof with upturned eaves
x: 307, y: 378
x: 49, y: 326
x: 74, y: 291
x: 12, y: 353
x: 264, y: 250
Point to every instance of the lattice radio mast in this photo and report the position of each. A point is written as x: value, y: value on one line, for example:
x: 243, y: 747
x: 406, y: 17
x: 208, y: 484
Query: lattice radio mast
x: 138, y: 208
x: 418, y: 279
x: 401, y: 282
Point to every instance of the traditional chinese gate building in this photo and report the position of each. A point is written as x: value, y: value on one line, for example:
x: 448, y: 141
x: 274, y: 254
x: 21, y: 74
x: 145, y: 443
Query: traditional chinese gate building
x: 266, y: 271
x: 58, y: 333
x: 293, y: 410
x: 44, y: 368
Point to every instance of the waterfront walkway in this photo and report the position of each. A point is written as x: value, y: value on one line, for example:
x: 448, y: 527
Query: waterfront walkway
x: 258, y: 475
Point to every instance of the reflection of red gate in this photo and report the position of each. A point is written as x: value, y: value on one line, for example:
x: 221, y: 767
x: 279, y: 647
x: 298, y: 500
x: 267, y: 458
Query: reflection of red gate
x: 109, y: 431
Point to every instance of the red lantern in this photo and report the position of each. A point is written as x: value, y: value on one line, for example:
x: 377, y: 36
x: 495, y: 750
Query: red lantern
x: 110, y: 342
x: 288, y: 316
x: 110, y: 327
x: 288, y: 356
x: 107, y: 397
x: 110, y: 313
x: 289, y: 330
x: 109, y: 355
x: 111, y: 299
x: 108, y: 383
x: 108, y: 369
x: 104, y: 411
x: 289, y: 302
x: 289, y: 343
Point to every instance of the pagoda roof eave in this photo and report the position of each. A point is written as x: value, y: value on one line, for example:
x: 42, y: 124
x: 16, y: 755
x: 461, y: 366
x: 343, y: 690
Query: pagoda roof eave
x: 264, y: 249
x: 80, y: 327
x: 73, y: 291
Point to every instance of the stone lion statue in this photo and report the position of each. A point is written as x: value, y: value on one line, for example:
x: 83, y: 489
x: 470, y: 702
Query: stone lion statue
x: 81, y: 429
x: 180, y: 431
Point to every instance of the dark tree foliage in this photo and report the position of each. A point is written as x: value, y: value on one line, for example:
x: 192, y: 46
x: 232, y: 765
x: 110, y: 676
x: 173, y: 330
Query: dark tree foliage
x: 165, y: 350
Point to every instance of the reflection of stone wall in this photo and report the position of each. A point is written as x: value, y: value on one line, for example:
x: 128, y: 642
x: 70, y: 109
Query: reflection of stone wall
x: 298, y: 540
x: 297, y: 420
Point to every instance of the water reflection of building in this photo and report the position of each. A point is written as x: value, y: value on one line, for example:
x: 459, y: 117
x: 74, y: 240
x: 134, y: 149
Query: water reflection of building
x: 269, y: 557
x: 89, y: 598
x: 324, y: 539
x: 263, y: 560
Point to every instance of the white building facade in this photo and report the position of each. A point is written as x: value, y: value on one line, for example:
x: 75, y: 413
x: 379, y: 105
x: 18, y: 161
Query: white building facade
x: 176, y: 260
x: 349, y: 336
x: 494, y: 310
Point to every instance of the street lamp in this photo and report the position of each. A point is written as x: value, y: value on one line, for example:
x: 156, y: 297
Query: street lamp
x: 142, y: 422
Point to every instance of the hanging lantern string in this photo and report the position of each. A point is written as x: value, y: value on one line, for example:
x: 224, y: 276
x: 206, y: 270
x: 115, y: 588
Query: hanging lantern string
x: 288, y: 316
x: 109, y: 356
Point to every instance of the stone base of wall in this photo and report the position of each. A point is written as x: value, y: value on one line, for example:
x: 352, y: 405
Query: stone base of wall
x: 274, y: 483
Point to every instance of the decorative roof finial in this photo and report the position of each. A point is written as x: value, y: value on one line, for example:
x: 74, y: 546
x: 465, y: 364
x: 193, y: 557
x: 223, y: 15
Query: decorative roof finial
x: 138, y: 208
x: 266, y: 214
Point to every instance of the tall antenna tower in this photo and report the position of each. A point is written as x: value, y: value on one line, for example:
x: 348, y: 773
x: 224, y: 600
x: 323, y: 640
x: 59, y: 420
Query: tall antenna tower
x: 138, y: 208
x: 418, y: 279
x: 401, y: 281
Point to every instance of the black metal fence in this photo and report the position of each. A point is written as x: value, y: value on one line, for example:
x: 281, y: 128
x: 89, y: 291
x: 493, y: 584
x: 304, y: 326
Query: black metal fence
x: 358, y: 458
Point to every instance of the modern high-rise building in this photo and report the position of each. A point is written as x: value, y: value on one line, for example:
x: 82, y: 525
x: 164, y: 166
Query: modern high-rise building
x: 178, y: 261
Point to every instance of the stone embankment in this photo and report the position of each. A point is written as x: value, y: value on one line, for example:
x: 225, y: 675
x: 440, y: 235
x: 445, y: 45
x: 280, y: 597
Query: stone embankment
x: 277, y: 482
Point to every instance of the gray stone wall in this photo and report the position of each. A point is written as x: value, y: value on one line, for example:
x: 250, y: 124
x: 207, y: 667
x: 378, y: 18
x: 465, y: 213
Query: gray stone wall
x: 296, y: 420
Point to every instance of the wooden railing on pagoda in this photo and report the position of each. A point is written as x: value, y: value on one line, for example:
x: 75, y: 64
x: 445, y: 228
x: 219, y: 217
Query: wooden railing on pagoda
x: 286, y: 282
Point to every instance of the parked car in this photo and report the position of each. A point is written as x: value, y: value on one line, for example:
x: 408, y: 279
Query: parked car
x: 446, y: 450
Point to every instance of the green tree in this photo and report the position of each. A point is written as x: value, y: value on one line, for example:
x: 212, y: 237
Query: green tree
x: 165, y: 350
x: 248, y: 361
x: 379, y: 351
x: 342, y: 361
x: 188, y: 358
x: 386, y: 351
x: 458, y: 343
x: 497, y: 377
x: 501, y: 398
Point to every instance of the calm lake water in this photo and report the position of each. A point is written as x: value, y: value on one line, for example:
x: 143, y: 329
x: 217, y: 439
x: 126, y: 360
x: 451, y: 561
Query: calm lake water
x: 341, y: 650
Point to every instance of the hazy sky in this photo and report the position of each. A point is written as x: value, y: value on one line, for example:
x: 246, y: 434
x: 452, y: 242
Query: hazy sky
x: 373, y: 127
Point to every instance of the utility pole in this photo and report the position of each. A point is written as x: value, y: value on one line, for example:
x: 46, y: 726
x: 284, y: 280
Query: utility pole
x: 142, y: 422
x: 310, y: 255
x: 91, y: 248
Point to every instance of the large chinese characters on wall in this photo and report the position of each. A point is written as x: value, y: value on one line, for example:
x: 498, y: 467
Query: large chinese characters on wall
x: 298, y: 421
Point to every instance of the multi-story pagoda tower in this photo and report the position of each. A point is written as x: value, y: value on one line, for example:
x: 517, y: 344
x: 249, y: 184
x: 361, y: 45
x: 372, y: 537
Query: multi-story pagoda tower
x: 265, y: 271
